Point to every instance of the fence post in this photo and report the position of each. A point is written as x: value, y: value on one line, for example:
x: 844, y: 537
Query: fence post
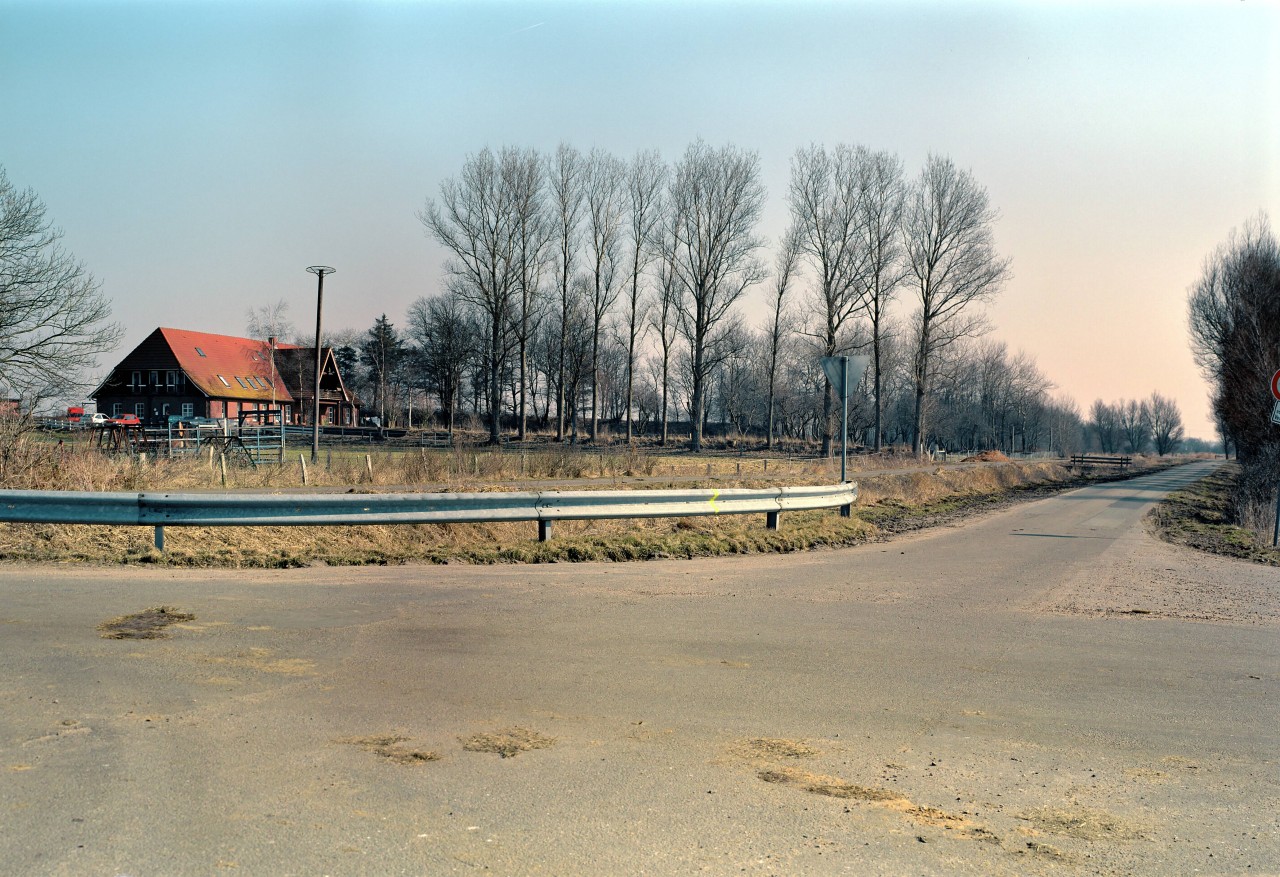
x: 160, y: 539
x: 222, y: 464
x: 1275, y: 536
x: 544, y: 530
x: 302, y: 459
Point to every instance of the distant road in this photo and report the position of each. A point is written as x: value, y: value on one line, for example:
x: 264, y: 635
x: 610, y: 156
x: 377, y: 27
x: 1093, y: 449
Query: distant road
x: 1041, y: 690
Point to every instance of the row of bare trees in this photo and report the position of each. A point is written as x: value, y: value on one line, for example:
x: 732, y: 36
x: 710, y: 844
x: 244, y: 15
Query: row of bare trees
x: 983, y: 395
x: 576, y: 247
x: 1132, y: 425
x: 1234, y: 319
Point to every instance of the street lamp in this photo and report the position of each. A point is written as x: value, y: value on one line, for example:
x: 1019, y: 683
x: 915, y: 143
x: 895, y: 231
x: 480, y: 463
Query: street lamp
x: 320, y: 271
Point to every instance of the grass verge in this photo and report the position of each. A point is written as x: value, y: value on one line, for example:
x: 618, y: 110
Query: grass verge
x: 1196, y: 517
x: 888, y: 504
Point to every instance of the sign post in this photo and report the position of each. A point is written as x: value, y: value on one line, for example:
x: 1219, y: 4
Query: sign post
x: 1275, y: 418
x: 844, y: 372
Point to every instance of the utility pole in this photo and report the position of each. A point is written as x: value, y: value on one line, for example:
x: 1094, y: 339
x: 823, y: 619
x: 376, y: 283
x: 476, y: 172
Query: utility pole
x: 320, y: 271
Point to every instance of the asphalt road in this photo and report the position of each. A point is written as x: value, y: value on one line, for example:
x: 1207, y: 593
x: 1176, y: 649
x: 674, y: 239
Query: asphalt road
x: 1042, y: 690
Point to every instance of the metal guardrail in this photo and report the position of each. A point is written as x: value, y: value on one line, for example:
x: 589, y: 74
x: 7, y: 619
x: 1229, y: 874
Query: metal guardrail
x: 162, y: 510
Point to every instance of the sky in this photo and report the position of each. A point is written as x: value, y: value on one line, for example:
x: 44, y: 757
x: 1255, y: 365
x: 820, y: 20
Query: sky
x: 200, y: 155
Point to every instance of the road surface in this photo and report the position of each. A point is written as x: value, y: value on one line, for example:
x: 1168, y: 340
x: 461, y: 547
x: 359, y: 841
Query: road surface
x: 1042, y: 690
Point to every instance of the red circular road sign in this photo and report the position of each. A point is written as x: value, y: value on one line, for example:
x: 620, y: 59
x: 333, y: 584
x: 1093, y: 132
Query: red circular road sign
x: 1275, y: 385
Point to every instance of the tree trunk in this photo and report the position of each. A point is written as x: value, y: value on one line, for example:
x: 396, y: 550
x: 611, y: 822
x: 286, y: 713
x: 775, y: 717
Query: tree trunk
x: 695, y: 410
x: 666, y: 363
x: 495, y: 386
x: 875, y: 352
x: 595, y: 384
x: 524, y: 362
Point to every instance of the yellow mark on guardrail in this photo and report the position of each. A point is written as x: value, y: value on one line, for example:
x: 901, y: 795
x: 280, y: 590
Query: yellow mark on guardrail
x: 714, y: 495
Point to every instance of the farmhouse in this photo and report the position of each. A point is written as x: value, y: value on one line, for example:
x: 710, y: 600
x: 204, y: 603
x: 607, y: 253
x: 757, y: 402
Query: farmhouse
x: 179, y: 373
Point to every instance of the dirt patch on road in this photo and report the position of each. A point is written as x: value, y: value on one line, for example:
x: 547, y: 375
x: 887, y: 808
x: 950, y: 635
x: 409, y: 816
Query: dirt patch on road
x: 773, y: 748
x: 508, y: 743
x: 388, y: 746
x: 834, y: 787
x: 1084, y: 823
x: 147, y: 624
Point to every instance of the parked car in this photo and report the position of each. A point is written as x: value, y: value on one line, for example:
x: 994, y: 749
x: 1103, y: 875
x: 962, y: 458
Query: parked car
x: 126, y: 420
x: 99, y: 419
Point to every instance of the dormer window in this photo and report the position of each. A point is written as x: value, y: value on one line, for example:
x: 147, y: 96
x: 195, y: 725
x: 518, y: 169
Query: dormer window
x: 199, y: 351
x: 224, y: 381
x: 242, y: 384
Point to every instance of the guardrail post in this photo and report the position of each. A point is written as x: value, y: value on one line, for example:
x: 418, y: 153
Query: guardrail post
x: 544, y: 531
x: 159, y: 538
x: 846, y: 511
x: 771, y: 520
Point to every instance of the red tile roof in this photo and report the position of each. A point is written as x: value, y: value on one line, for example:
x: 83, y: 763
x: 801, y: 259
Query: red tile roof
x: 227, y: 367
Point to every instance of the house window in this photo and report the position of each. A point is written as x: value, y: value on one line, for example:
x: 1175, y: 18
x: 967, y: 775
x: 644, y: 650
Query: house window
x: 224, y: 381
x: 140, y: 409
x: 117, y: 408
x: 171, y: 379
x: 135, y: 383
x: 242, y: 384
x: 164, y: 410
x: 188, y: 409
x: 267, y: 381
x: 199, y: 351
x: 155, y: 379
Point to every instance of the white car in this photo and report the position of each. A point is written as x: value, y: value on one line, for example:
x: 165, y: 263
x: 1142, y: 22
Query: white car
x: 98, y: 419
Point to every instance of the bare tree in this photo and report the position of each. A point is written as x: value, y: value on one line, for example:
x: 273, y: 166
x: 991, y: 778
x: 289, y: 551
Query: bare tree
x: 1104, y: 419
x: 715, y: 202
x: 475, y: 221
x: 605, y: 185
x: 1234, y: 317
x: 645, y: 179
x: 533, y: 231
x: 1135, y: 424
x: 566, y: 180
x: 779, y: 325
x: 53, y: 316
x: 665, y: 322
x: 881, y: 207
x: 1165, y: 421
x: 269, y: 321
x: 441, y: 330
x: 954, y: 265
x: 826, y: 215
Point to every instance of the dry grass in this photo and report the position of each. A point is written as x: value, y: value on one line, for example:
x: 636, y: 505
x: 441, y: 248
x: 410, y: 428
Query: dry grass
x: 1197, y: 516
x: 888, y: 503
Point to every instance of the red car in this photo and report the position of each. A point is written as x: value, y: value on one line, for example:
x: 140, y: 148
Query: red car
x: 126, y: 420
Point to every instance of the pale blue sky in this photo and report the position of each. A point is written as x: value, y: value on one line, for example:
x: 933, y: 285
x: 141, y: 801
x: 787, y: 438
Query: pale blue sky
x: 200, y: 155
